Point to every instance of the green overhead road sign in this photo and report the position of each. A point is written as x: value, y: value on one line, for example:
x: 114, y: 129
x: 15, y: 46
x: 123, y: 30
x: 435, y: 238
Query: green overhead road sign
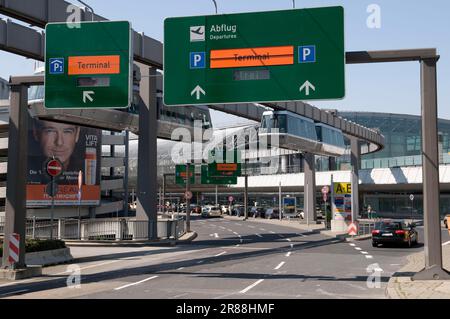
x: 227, y: 165
x: 89, y: 66
x: 210, y: 180
x: 181, y: 175
x: 255, y: 57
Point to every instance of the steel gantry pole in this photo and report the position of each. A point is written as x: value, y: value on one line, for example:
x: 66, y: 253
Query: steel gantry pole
x: 430, y: 161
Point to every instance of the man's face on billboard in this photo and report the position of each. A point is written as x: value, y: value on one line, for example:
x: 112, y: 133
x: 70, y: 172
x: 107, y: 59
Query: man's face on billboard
x: 57, y: 140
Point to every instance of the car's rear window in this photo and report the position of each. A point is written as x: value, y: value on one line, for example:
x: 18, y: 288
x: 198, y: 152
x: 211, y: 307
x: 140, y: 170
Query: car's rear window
x: 388, y: 226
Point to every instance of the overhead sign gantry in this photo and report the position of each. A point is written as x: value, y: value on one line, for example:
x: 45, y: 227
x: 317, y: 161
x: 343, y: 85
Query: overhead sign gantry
x: 255, y: 57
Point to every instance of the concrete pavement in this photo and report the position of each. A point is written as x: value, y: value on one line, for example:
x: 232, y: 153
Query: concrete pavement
x: 401, y: 286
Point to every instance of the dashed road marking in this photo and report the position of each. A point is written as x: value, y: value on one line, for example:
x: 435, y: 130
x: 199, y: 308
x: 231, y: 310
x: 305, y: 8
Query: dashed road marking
x: 357, y: 248
x: 262, y: 229
x: 251, y: 286
x: 200, y: 261
x: 135, y: 283
x: 292, y: 246
x: 235, y: 233
x: 279, y: 265
x: 259, y: 235
x: 288, y: 239
x: 216, y: 235
x: 369, y: 257
x: 222, y: 253
x: 353, y: 245
x: 288, y: 254
x: 181, y: 268
x: 364, y: 253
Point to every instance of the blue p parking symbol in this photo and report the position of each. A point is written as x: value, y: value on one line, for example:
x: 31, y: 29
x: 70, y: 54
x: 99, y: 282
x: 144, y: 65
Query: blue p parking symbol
x: 197, y: 60
x: 56, y: 66
x: 307, y: 54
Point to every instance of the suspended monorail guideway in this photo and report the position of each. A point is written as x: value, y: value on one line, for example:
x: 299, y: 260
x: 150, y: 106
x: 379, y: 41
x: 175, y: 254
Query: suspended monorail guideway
x: 296, y: 132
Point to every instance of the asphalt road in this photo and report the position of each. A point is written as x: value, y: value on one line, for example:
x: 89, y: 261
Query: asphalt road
x: 229, y: 259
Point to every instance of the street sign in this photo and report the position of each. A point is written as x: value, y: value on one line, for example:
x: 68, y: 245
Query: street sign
x: 89, y: 66
x: 411, y: 197
x: 188, y: 195
x: 255, y: 57
x: 352, y: 229
x: 230, y: 198
x: 209, y: 180
x: 226, y: 165
x: 54, y: 167
x: 181, y: 175
x: 342, y: 188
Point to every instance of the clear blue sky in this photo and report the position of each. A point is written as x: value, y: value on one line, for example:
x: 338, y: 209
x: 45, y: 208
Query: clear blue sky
x: 391, y: 87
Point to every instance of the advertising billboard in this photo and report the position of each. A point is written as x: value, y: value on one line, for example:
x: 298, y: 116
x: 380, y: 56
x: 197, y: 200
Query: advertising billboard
x: 342, y: 201
x: 78, y: 148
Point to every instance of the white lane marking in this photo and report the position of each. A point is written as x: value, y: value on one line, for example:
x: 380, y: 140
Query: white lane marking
x: 235, y: 233
x: 282, y: 236
x: 200, y: 261
x: 353, y: 245
x: 222, y: 253
x: 258, y: 235
x: 272, y: 232
x: 229, y: 229
x: 288, y: 254
x: 91, y: 266
x: 216, y: 235
x: 136, y: 283
x: 395, y: 265
x: 369, y: 257
x: 239, y: 236
x: 301, y: 235
x: 237, y: 245
x: 357, y: 248
x: 181, y: 268
x: 288, y: 239
x: 279, y: 265
x: 335, y: 241
x: 13, y: 292
x: 251, y: 286
x: 262, y: 229
x: 364, y: 253
x: 222, y: 227
x: 292, y: 246
x: 445, y: 244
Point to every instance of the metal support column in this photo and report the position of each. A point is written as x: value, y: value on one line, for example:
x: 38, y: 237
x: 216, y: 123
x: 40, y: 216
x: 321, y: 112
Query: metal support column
x: 147, y: 155
x: 430, y: 161
x: 310, y: 188
x: 126, y: 173
x: 355, y: 162
x: 245, y: 196
x: 17, y: 166
x: 188, y: 200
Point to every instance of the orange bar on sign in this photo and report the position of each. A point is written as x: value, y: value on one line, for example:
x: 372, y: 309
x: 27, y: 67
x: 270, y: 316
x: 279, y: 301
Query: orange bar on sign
x: 103, y: 64
x: 226, y: 167
x: 263, y: 56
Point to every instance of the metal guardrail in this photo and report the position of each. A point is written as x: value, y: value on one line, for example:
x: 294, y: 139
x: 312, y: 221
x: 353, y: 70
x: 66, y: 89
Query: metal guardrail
x: 100, y: 229
x: 365, y: 228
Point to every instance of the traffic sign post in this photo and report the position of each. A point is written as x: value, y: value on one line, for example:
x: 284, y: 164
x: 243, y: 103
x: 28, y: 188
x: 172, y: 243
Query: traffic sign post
x: 181, y: 175
x: 255, y: 57
x: 54, y: 168
x: 90, y: 66
x: 353, y: 229
x: 325, y: 191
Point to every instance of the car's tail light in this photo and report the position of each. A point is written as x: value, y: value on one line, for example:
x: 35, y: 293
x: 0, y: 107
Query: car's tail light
x: 375, y: 232
x: 400, y: 232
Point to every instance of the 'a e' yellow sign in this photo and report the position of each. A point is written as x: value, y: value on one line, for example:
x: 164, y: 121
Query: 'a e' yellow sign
x: 342, y: 188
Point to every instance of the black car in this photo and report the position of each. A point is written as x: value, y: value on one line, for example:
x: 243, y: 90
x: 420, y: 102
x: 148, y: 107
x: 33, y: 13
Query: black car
x: 394, y: 232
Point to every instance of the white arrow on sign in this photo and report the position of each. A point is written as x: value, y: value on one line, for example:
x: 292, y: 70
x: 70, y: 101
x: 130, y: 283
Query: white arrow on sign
x: 307, y: 86
x: 198, y: 90
x: 87, y: 95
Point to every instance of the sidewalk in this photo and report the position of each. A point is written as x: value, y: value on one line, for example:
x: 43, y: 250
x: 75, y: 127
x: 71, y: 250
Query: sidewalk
x: 401, y: 286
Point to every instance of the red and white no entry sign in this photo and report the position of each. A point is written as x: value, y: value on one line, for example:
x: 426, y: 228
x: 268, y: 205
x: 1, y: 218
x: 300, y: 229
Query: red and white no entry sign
x: 188, y: 195
x: 231, y: 198
x: 54, y: 167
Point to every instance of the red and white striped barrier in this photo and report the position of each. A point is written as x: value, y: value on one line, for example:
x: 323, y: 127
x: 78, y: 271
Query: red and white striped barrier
x: 14, y: 241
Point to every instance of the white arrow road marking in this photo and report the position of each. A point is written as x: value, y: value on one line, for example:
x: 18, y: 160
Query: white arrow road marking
x: 198, y: 90
x: 307, y: 86
x: 87, y: 95
x: 279, y: 265
x: 135, y: 283
x: 251, y: 286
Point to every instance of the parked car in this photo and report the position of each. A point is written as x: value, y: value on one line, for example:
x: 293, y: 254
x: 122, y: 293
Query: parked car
x: 445, y: 220
x: 225, y: 209
x: 394, y: 232
x: 272, y: 213
x: 256, y: 212
x: 238, y: 210
x: 196, y: 209
x: 211, y: 211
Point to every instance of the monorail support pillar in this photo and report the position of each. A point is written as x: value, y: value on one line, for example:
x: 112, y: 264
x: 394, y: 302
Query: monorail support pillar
x: 355, y: 162
x: 310, y: 188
